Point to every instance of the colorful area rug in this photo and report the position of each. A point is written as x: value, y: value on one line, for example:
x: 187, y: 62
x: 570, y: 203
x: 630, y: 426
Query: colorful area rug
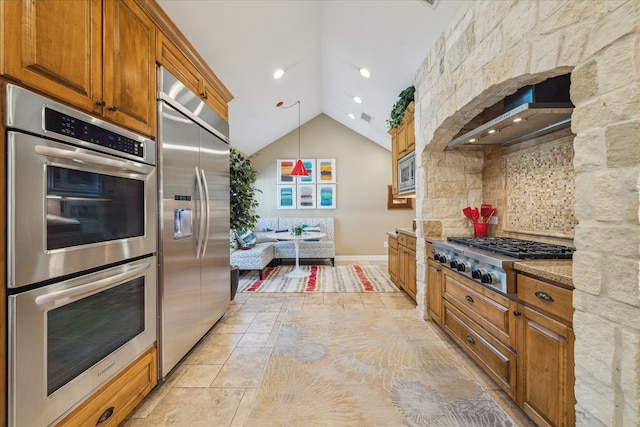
x: 323, y: 278
x: 367, y: 368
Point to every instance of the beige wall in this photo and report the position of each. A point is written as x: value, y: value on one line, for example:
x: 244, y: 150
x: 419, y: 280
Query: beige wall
x: 363, y: 173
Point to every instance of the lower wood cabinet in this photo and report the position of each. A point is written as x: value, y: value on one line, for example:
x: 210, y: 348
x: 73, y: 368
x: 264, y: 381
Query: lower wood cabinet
x: 111, y: 404
x: 545, y: 344
x: 524, y: 342
x: 434, y: 291
x: 393, y: 259
x: 406, y: 273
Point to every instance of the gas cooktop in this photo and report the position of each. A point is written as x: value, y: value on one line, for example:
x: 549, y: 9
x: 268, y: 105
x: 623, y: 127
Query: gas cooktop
x: 517, y: 248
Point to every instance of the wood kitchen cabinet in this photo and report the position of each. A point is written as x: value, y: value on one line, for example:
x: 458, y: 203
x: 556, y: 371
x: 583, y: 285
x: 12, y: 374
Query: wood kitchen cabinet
x: 481, y: 322
x: 393, y: 259
x: 403, y: 142
x: 96, y: 55
x: 545, y: 348
x: 406, y: 273
x: 434, y: 291
x: 113, y: 402
x: 175, y: 60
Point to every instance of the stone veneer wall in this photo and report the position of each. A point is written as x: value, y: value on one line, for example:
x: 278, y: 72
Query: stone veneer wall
x: 492, y: 48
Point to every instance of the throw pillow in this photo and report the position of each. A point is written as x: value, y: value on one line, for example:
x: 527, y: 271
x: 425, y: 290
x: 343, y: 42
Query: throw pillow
x: 233, y: 241
x: 311, y: 229
x: 246, y: 239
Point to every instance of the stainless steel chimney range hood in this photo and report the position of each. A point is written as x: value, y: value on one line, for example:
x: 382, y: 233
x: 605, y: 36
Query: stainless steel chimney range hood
x: 531, y: 112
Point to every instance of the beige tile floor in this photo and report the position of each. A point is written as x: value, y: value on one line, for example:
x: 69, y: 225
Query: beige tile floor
x: 217, y: 381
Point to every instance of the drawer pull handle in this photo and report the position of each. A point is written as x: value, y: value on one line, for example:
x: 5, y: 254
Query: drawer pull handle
x: 469, y: 299
x: 105, y: 415
x: 543, y: 295
x: 470, y: 340
x: 517, y: 313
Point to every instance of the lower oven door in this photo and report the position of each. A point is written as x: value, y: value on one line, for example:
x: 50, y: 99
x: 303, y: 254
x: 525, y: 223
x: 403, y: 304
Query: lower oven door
x: 73, y: 209
x: 68, y: 339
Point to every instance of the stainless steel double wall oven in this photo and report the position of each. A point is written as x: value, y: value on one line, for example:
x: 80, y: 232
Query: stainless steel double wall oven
x: 81, y: 282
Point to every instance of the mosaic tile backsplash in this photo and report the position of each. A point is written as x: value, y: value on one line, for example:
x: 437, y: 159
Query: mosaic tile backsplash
x: 540, y: 187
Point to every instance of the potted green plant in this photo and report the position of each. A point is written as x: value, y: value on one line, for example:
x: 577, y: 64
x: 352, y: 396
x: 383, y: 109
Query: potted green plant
x: 242, y: 177
x: 406, y: 97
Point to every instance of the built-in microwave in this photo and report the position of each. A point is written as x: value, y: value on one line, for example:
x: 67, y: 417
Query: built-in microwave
x: 407, y: 174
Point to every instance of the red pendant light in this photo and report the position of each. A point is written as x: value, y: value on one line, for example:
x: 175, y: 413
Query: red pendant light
x: 298, y: 169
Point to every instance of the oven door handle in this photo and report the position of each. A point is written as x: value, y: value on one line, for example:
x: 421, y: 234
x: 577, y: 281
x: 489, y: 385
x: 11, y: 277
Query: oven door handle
x: 205, y: 238
x: 80, y: 157
x: 200, y: 240
x: 77, y: 292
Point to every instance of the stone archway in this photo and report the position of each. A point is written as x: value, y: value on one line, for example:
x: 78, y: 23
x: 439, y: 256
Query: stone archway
x: 491, y: 49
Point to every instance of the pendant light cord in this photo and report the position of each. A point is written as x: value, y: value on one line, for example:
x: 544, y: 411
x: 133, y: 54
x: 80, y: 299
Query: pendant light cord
x: 289, y: 106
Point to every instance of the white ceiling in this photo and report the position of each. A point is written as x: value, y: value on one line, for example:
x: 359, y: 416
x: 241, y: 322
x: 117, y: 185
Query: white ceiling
x: 321, y: 44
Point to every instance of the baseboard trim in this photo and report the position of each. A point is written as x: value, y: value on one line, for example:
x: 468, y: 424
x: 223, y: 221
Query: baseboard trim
x: 347, y: 258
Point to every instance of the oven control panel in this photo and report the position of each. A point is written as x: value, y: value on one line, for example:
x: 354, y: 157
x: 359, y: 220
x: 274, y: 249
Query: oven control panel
x: 478, y: 271
x: 63, y: 124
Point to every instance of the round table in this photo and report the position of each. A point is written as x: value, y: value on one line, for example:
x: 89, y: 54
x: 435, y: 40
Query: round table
x: 286, y: 235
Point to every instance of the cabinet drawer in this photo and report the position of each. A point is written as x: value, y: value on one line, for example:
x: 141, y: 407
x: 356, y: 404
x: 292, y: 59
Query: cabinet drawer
x: 498, y: 361
x: 487, y: 308
x: 407, y: 241
x: 550, y: 298
x: 393, y: 242
x: 118, y: 397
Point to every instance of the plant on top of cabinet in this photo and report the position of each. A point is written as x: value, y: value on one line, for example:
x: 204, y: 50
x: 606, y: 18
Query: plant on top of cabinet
x: 242, y: 176
x: 406, y: 97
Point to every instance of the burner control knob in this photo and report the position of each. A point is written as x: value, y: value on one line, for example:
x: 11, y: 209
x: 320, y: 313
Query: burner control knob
x: 477, y: 274
x: 454, y: 264
x: 444, y: 259
x: 463, y: 266
x: 489, y: 278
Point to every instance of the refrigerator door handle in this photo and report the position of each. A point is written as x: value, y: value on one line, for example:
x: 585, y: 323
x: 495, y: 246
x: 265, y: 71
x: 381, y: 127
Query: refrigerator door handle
x: 207, y: 210
x: 201, y: 218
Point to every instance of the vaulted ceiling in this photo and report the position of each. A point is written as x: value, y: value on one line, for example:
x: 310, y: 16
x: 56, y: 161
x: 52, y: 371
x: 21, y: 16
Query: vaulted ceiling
x: 321, y: 45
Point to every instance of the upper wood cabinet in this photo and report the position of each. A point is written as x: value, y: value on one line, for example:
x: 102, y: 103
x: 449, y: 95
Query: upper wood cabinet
x: 403, y: 142
x: 173, y: 59
x: 97, y: 56
x: 129, y: 66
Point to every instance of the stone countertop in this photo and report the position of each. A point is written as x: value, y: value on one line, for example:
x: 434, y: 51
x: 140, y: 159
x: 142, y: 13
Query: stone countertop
x: 556, y: 270
x: 407, y: 231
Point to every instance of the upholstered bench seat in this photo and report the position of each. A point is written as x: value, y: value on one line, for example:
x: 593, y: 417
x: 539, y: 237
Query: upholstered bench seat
x: 256, y: 258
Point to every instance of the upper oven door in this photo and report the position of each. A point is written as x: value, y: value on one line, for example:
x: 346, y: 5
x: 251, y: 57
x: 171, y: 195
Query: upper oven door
x: 72, y: 209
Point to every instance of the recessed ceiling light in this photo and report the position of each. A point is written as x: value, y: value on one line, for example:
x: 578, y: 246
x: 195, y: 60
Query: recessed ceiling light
x: 351, y: 116
x: 357, y: 100
x: 365, y: 73
x: 278, y: 73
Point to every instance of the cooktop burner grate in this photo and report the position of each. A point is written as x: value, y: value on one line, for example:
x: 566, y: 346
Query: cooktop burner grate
x: 517, y: 248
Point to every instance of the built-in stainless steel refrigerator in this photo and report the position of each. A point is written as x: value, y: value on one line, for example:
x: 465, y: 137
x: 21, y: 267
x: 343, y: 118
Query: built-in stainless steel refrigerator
x: 193, y: 173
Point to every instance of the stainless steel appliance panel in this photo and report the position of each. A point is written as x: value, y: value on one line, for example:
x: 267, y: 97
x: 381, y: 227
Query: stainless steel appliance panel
x: 34, y: 211
x: 214, y: 162
x: 180, y: 265
x: 59, y: 335
x: 193, y: 176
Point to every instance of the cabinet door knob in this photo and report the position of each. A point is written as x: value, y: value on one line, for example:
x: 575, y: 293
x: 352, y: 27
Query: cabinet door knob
x: 470, y: 340
x: 469, y: 299
x: 203, y: 95
x: 543, y: 295
x: 517, y: 313
x: 112, y: 108
x: 101, y: 103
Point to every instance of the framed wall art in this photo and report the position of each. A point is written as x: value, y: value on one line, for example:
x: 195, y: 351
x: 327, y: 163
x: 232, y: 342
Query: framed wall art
x: 306, y: 196
x: 310, y: 166
x: 326, y: 197
x: 326, y: 171
x: 283, y: 170
x: 287, y: 197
